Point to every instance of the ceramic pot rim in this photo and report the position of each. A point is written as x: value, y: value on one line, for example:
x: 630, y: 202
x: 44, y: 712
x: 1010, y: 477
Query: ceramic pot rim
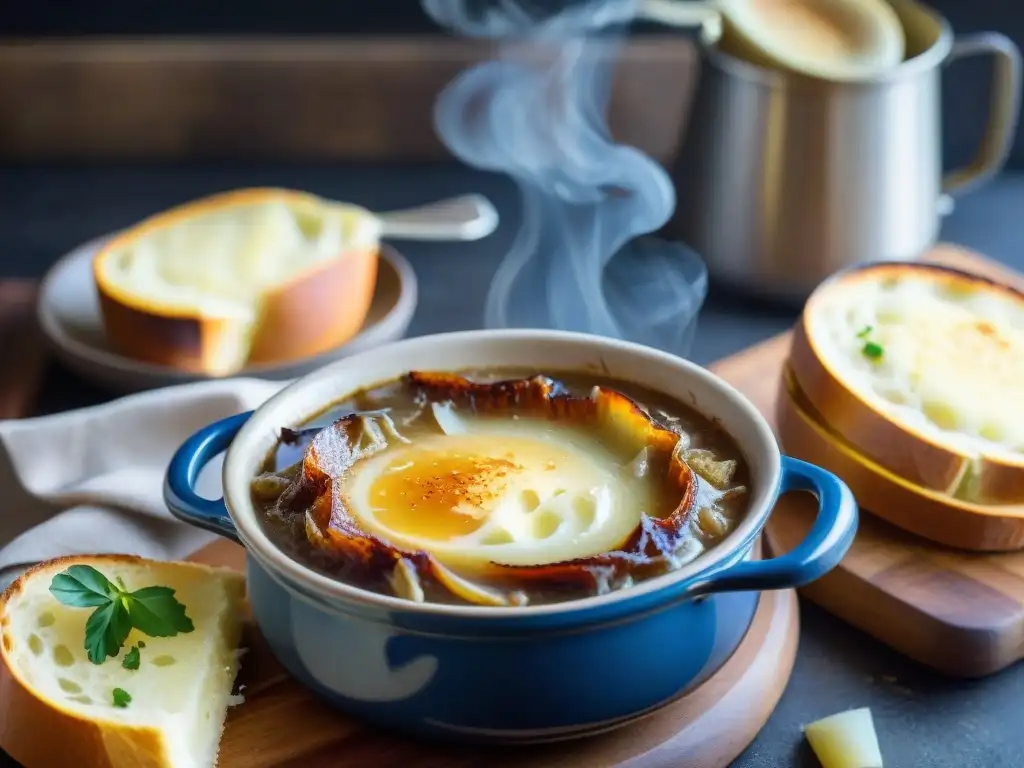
x: 649, y: 367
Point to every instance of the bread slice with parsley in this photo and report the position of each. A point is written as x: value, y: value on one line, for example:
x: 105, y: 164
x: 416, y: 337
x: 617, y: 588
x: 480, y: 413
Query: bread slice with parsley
x: 113, y: 661
x: 920, y: 368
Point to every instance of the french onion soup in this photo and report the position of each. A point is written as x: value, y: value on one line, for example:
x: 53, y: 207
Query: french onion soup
x: 501, y: 487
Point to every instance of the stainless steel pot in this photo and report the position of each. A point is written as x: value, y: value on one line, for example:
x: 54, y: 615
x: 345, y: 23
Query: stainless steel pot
x: 784, y: 179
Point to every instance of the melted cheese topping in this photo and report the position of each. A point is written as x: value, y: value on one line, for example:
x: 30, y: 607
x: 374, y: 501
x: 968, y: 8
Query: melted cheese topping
x: 816, y: 28
x: 522, y: 492
x: 947, y: 360
x: 837, y: 38
x: 218, y: 263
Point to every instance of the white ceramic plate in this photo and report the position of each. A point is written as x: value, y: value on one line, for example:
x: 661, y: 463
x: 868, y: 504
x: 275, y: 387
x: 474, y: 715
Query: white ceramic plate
x: 69, y: 314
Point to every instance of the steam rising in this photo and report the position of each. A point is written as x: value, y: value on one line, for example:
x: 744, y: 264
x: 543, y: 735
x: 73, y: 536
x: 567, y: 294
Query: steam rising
x: 537, y: 112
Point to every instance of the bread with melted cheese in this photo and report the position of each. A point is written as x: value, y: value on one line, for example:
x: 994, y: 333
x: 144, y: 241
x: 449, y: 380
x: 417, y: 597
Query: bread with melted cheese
x: 57, y: 707
x: 245, y: 278
x: 921, y: 368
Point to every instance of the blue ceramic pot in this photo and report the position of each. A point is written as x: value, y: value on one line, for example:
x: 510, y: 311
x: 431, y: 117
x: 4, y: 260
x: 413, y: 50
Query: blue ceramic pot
x: 529, y: 674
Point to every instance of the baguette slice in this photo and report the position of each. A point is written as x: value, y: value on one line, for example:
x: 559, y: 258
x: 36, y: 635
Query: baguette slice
x: 920, y: 368
x: 56, y: 707
x: 245, y: 278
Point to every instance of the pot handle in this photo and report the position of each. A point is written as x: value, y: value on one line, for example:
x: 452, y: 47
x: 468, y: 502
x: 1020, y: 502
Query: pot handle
x: 827, y: 542
x: 1004, y: 109
x: 183, y: 471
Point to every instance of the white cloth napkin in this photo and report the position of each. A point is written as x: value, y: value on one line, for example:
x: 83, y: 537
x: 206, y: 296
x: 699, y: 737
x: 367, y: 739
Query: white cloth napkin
x: 91, y: 480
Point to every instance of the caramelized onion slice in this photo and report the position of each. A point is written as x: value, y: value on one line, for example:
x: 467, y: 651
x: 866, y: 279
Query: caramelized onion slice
x: 332, y: 525
x: 541, y: 396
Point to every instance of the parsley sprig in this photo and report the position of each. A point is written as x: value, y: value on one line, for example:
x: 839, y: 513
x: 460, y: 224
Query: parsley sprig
x: 153, y: 611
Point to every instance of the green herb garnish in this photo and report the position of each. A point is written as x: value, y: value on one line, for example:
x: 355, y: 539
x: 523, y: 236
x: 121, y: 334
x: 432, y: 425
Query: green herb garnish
x: 131, y: 659
x: 122, y: 698
x: 152, y: 610
x: 873, y: 350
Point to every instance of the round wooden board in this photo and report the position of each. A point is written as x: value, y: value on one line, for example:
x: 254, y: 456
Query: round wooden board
x: 281, y: 725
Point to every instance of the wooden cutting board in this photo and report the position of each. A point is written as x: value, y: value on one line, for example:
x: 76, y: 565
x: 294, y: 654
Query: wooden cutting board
x: 282, y: 725
x: 959, y: 612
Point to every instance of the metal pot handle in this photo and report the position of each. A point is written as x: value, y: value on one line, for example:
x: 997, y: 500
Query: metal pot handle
x: 1004, y: 111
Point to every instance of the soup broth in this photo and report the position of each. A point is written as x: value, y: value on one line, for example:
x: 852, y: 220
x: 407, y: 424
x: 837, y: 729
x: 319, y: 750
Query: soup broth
x: 501, y: 487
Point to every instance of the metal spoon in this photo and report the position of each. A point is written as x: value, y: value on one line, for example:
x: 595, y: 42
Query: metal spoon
x: 469, y: 217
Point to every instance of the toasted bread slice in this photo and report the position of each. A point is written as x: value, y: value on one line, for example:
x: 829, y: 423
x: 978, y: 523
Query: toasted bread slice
x: 250, y: 277
x: 58, y: 708
x: 920, y: 367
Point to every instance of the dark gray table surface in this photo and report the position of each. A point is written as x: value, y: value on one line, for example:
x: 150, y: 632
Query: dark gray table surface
x: 924, y: 720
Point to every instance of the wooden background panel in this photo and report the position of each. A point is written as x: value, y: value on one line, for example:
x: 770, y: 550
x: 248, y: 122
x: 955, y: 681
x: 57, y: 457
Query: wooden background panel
x: 329, y: 99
